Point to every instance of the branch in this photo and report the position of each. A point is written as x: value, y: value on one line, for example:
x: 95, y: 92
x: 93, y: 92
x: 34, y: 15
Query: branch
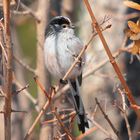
x: 27, y: 67
x: 107, y: 118
x: 70, y: 137
x: 112, y: 60
x: 30, y: 11
x: 29, y: 96
x: 43, y: 110
x: 123, y: 110
x: 21, y: 89
x: 7, y: 86
x: 89, y: 131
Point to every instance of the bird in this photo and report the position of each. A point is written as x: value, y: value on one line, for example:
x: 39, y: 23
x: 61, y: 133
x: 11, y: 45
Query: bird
x: 61, y: 47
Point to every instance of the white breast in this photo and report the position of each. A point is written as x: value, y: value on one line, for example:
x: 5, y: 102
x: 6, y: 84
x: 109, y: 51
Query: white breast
x: 59, y: 51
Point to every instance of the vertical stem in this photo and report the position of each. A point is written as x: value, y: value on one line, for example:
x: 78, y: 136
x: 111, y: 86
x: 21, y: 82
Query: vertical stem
x: 42, y: 74
x: 7, y: 84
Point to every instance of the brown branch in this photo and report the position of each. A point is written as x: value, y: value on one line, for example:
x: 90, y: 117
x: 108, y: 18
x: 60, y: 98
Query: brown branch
x: 43, y: 110
x: 41, y: 87
x: 29, y: 96
x: 89, y: 131
x: 62, y: 117
x: 7, y: 87
x: 70, y: 137
x: 101, y: 128
x: 107, y: 118
x: 2, y: 93
x: 123, y: 110
x: 21, y: 89
x: 112, y: 60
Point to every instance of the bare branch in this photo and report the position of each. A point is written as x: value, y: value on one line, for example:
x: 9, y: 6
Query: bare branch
x: 31, y: 12
x: 107, y: 118
x: 25, y: 87
x: 27, y: 67
x: 70, y: 137
x: 123, y: 110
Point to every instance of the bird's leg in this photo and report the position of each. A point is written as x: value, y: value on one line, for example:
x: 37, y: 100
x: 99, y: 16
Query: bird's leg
x: 64, y: 82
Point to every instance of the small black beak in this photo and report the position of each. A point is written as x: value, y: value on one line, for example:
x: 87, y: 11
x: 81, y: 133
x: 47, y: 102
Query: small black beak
x: 72, y: 26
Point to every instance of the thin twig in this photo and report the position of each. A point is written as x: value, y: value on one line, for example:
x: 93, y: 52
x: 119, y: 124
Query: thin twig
x: 43, y: 110
x: 62, y: 117
x: 62, y: 125
x: 29, y: 96
x: 31, y: 12
x: 18, y: 111
x: 27, y: 67
x: 89, y: 131
x: 107, y: 118
x: 112, y: 60
x: 41, y: 87
x: 21, y: 89
x: 4, y: 52
x: 124, y: 114
x: 101, y: 128
x: 20, y: 12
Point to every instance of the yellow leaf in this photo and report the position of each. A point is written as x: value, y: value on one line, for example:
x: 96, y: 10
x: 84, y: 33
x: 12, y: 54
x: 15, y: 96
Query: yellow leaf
x: 132, y: 5
x: 133, y: 27
x: 135, y: 48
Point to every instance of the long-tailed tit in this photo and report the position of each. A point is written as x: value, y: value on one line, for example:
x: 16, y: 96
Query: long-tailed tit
x: 61, y: 48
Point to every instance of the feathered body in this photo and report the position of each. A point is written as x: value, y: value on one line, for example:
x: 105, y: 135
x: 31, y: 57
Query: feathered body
x: 61, y: 48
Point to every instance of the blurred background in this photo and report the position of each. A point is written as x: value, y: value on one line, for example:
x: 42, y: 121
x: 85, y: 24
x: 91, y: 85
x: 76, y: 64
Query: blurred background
x: 29, y: 19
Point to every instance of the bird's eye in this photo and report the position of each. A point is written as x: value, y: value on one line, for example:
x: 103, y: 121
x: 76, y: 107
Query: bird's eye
x: 64, y: 25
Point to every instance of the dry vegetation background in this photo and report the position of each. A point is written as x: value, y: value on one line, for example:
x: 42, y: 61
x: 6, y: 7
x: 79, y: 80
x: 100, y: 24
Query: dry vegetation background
x: 30, y: 109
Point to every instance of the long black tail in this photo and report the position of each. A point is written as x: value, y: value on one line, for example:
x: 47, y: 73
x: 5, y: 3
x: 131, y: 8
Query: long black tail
x: 78, y: 104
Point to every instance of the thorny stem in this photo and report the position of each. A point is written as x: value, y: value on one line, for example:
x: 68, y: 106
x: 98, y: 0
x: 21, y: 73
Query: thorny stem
x: 7, y: 71
x: 112, y: 60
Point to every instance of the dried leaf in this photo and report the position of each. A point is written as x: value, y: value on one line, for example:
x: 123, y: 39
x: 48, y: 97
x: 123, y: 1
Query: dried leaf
x: 133, y: 27
x: 134, y: 30
x: 132, y: 5
x: 135, y: 48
